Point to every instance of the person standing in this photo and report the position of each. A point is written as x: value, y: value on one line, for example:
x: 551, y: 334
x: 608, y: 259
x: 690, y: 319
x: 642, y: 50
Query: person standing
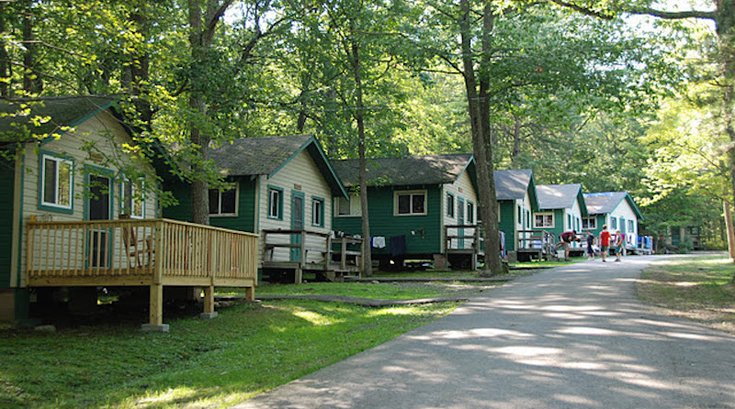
x: 618, y: 245
x: 604, y: 242
x: 590, y: 243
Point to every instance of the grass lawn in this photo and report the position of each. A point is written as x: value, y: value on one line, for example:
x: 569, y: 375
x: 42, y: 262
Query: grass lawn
x: 694, y: 287
x: 248, y: 349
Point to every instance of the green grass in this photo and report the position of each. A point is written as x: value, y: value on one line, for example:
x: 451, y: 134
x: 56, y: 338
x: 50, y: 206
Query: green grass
x: 697, y: 287
x: 387, y: 291
x: 248, y: 349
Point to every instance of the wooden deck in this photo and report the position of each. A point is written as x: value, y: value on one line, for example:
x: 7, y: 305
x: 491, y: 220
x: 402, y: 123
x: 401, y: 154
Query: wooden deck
x: 146, y: 252
x: 301, y: 251
x: 538, y: 244
x: 464, y: 244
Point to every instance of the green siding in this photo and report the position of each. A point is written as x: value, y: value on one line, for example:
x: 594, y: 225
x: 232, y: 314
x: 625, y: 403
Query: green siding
x: 508, y: 223
x: 244, y: 221
x: 7, y: 182
x: 428, y: 228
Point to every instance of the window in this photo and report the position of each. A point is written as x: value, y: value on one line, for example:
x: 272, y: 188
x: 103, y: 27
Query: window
x: 223, y: 202
x: 520, y: 215
x: 450, y: 205
x: 569, y: 222
x: 543, y: 220
x: 631, y: 226
x: 528, y: 218
x: 131, y: 199
x: 317, y: 212
x: 589, y: 223
x: 470, y: 213
x: 613, y: 223
x: 275, y: 203
x: 347, y: 207
x: 410, y: 203
x: 56, y: 182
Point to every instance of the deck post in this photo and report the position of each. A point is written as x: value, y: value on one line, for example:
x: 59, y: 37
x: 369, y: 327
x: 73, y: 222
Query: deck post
x: 156, y: 289
x: 343, y: 255
x: 328, y: 254
x: 209, y: 311
x: 250, y: 293
x: 155, y: 313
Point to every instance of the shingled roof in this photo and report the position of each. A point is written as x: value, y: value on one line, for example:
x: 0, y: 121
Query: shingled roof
x: 418, y: 170
x: 606, y: 202
x: 266, y: 156
x: 561, y: 197
x: 23, y: 119
x: 513, y: 184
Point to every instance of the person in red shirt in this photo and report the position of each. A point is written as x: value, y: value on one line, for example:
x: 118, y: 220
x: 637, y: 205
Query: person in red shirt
x: 604, y: 242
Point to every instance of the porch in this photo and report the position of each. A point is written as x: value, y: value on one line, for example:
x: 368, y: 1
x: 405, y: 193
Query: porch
x: 463, y: 245
x: 535, y: 244
x: 141, y: 252
x: 304, y: 251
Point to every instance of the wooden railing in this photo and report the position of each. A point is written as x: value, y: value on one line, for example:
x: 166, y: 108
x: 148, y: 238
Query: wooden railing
x: 132, y: 252
x: 463, y: 237
x: 300, y: 249
x: 537, y: 239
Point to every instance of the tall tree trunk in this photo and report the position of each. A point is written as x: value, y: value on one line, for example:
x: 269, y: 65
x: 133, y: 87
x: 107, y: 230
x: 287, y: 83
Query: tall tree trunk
x: 31, y: 80
x: 725, y: 27
x: 140, y: 69
x: 478, y: 109
x: 515, y: 158
x: 4, y: 57
x: 199, y: 187
x: 367, y: 259
x: 727, y: 210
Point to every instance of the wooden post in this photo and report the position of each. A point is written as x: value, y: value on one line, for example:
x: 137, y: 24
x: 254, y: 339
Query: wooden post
x: 209, y: 311
x: 328, y: 254
x: 343, y: 255
x: 156, y: 289
x: 250, y: 293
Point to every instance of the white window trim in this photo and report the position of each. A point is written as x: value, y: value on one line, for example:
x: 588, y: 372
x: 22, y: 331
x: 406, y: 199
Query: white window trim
x: 553, y: 220
x: 56, y: 191
x: 237, y: 203
x: 322, y: 213
x: 593, y: 220
x: 133, y: 193
x: 453, y: 214
x: 354, y: 203
x: 469, y: 204
x: 398, y: 193
x: 270, y: 201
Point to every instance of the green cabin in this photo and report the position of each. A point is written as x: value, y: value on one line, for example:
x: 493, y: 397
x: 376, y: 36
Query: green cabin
x: 515, y: 191
x: 61, y: 161
x: 561, y: 208
x: 420, y: 207
x: 279, y: 184
x: 617, y: 210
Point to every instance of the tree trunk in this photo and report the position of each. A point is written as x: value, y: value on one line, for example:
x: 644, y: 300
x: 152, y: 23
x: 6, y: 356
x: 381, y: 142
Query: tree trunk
x: 478, y: 109
x: 4, y: 57
x: 516, y: 142
x: 729, y: 228
x: 199, y: 187
x: 140, y: 69
x: 367, y: 259
x: 31, y: 80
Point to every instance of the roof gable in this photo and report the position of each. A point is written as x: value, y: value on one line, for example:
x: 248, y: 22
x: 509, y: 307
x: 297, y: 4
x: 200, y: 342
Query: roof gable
x: 513, y: 184
x: 417, y: 170
x: 267, y: 156
x: 561, y: 197
x: 27, y: 119
x: 606, y: 202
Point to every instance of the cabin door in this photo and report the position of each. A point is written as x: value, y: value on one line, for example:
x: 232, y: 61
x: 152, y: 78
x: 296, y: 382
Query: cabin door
x: 98, y: 208
x: 460, y: 221
x: 297, y: 222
